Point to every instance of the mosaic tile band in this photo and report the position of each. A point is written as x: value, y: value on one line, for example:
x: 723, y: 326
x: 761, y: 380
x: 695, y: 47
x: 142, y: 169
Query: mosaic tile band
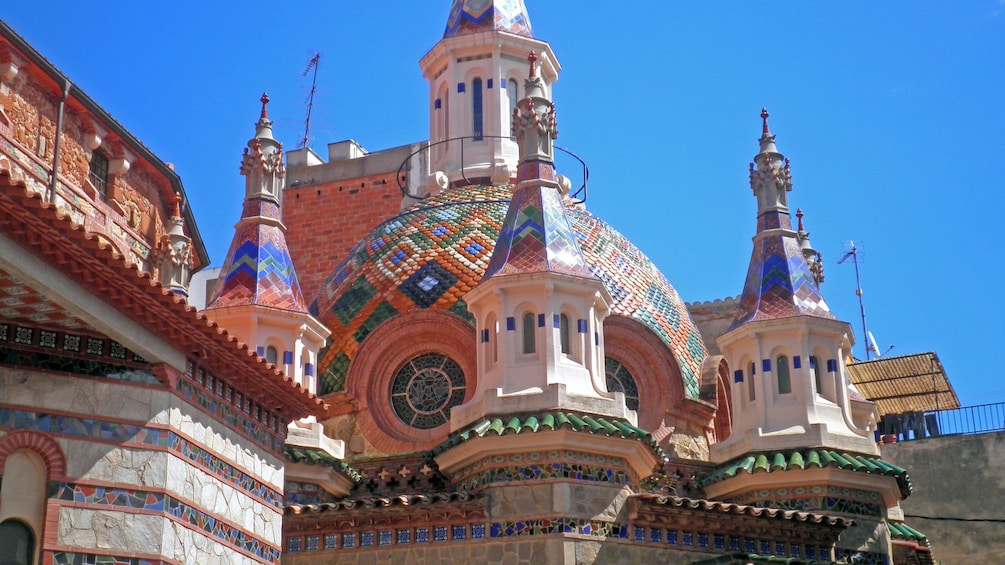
x: 72, y: 558
x: 160, y: 502
x: 132, y: 434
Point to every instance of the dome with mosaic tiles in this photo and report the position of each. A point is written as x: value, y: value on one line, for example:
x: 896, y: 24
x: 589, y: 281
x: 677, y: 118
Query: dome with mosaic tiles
x: 431, y: 255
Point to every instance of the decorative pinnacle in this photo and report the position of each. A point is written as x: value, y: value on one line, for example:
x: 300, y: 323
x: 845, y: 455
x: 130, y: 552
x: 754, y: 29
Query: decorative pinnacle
x: 799, y: 214
x: 533, y: 59
x: 265, y: 100
x: 176, y: 213
x: 764, y: 117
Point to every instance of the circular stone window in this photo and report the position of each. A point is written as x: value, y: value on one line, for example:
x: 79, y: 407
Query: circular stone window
x: 424, y: 390
x: 620, y: 380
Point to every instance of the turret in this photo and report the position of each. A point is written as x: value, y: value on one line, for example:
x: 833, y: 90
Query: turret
x: 787, y: 349
x: 539, y: 311
x: 474, y: 73
x: 258, y: 296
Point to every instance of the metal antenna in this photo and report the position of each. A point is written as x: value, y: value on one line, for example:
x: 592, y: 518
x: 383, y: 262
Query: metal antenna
x: 313, y: 63
x: 853, y: 253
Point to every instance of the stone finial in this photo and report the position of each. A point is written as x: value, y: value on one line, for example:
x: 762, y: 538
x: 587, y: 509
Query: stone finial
x: 532, y: 58
x: 764, y: 119
x: 176, y: 211
x: 799, y: 215
x: 265, y: 100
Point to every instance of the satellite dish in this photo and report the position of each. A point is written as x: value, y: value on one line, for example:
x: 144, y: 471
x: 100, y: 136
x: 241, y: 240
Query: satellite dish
x: 873, y: 346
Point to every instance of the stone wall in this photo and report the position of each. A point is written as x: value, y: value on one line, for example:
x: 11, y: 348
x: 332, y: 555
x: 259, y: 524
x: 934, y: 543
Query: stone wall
x: 959, y: 486
x: 146, y: 473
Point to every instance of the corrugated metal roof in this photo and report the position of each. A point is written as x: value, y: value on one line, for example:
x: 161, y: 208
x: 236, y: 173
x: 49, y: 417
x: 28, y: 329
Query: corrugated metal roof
x: 907, y: 383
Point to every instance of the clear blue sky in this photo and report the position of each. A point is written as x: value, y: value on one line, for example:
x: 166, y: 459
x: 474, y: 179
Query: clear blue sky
x: 893, y: 114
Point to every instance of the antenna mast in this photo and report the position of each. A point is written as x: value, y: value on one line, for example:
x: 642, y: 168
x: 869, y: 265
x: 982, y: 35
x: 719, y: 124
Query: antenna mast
x: 853, y: 253
x: 313, y: 63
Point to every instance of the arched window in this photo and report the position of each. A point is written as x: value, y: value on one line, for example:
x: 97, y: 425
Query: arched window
x: 529, y: 337
x: 784, y: 381
x: 511, y: 93
x: 817, y: 381
x: 563, y: 334
x: 477, y: 115
x: 17, y: 543
x: 620, y: 380
x: 751, y: 394
x: 271, y: 355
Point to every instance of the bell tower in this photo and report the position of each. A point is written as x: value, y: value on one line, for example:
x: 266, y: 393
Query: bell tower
x: 474, y: 73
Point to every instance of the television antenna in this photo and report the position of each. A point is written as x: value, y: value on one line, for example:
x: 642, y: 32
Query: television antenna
x: 312, y: 64
x: 852, y: 253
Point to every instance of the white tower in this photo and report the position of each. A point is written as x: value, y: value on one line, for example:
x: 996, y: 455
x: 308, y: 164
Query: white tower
x: 474, y: 73
x: 538, y: 309
x: 787, y: 352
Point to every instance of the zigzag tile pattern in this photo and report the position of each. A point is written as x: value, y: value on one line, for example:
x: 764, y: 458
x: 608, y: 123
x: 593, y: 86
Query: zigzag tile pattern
x: 431, y: 255
x: 536, y: 237
x: 779, y: 283
x: 473, y: 16
x: 259, y: 270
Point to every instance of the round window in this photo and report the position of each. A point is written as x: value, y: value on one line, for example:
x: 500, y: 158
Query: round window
x: 620, y: 380
x: 425, y: 389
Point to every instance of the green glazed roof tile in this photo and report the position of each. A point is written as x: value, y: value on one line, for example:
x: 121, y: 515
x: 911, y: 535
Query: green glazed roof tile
x: 900, y: 530
x: 535, y: 423
x: 320, y: 457
x: 806, y: 458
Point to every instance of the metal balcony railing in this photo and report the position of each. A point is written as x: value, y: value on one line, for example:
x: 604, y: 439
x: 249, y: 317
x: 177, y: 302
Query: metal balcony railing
x: 978, y: 419
x: 578, y: 194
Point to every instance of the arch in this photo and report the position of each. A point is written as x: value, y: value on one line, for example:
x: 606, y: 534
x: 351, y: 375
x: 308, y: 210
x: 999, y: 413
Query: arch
x: 384, y: 352
x: 17, y: 543
x: 716, y: 385
x: 528, y: 333
x: 513, y: 95
x: 783, y: 377
x: 657, y: 375
x: 46, y: 447
x: 823, y: 382
x: 477, y: 109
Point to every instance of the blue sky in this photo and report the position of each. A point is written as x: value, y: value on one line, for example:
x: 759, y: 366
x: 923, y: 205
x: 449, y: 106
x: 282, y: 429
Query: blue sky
x: 891, y: 112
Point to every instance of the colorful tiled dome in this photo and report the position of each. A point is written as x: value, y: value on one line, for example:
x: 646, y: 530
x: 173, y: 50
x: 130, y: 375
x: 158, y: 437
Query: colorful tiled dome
x: 431, y: 255
x: 473, y: 16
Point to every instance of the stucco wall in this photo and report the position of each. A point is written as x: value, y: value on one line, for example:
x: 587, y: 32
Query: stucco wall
x: 959, y: 488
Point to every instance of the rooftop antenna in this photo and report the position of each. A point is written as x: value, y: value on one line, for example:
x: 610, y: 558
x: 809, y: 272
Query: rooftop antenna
x: 312, y: 64
x: 853, y: 253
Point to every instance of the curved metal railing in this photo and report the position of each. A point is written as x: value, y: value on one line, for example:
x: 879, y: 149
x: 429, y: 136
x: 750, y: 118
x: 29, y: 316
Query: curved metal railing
x: 579, y: 195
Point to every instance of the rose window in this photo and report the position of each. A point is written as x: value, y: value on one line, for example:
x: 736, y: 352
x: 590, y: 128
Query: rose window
x: 425, y: 389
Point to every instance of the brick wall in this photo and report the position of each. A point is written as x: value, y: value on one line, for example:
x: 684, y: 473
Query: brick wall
x: 324, y: 221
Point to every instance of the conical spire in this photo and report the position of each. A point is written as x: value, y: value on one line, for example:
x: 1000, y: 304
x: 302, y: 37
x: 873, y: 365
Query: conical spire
x: 536, y: 235
x: 474, y: 16
x: 780, y: 282
x: 258, y: 269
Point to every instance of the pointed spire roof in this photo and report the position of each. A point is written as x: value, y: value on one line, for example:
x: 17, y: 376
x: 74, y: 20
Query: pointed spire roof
x: 259, y: 269
x: 474, y: 16
x: 780, y: 282
x: 536, y: 235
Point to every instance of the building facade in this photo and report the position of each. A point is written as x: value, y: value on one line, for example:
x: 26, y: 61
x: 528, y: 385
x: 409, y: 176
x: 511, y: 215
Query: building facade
x: 430, y: 353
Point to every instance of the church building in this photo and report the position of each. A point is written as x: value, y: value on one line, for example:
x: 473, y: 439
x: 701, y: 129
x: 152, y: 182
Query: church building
x: 474, y: 368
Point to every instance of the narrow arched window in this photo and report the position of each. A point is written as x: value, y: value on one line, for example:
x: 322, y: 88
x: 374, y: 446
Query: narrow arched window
x: 751, y: 394
x: 529, y: 338
x: 511, y: 93
x: 494, y: 337
x: 17, y: 543
x: 563, y: 334
x: 817, y: 381
x: 477, y: 114
x: 271, y: 354
x: 784, y: 381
